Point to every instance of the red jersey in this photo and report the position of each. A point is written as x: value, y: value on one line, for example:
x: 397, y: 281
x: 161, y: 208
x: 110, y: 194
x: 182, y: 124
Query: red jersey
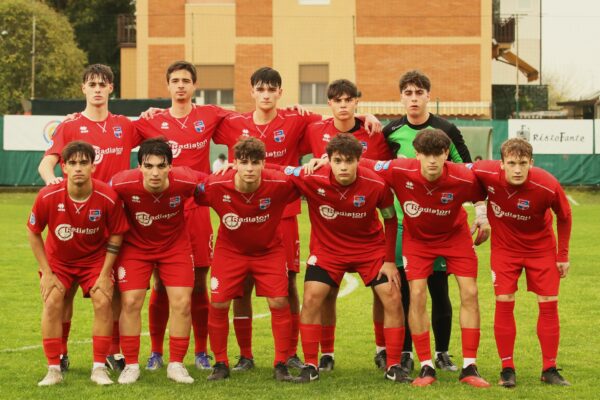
x: 249, y: 221
x: 112, y: 140
x: 520, y: 215
x: 320, y: 133
x: 345, y: 226
x: 433, y: 211
x: 77, y: 230
x: 156, y: 219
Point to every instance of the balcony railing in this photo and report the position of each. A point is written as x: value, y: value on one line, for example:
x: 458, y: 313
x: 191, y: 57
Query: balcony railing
x: 126, y: 30
x: 504, y: 30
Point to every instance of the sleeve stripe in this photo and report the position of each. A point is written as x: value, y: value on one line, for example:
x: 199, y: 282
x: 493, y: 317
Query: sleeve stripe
x: 182, y: 181
x: 372, y: 180
x: 542, y: 186
x: 51, y: 193
x: 124, y: 183
x: 460, y: 179
x: 105, y: 196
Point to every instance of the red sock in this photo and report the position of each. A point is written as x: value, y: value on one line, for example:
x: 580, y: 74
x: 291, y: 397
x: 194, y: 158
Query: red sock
x: 310, y: 336
x: 505, y: 331
x: 115, y: 345
x: 327, y: 338
x: 158, y: 316
x: 218, y: 332
x: 548, y: 330
x: 394, y: 341
x: 131, y: 348
x: 66, y: 328
x: 295, y: 333
x: 101, y: 346
x: 422, y: 346
x: 281, y: 325
x: 52, y: 347
x: 200, y: 320
x: 379, y: 335
x: 243, y: 334
x: 470, y: 342
x: 178, y: 346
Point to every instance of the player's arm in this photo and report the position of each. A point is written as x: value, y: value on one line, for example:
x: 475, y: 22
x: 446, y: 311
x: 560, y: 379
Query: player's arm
x: 372, y: 124
x: 46, y: 169
x: 104, y: 282
x: 48, y: 280
x: 390, y: 223
x: 481, y: 225
x: 382, y: 168
x: 564, y: 221
x: 459, y: 152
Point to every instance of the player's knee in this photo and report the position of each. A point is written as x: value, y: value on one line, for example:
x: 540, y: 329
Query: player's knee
x: 131, y: 305
x: 312, y: 300
x: 53, y: 307
x: 102, y: 304
x: 181, y: 305
x: 469, y: 293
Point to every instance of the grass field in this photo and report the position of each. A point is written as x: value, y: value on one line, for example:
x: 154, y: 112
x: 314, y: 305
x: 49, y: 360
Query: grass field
x: 22, y: 362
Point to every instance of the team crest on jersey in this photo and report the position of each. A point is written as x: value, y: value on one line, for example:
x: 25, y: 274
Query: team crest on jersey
x: 359, y: 200
x: 95, y: 215
x: 118, y: 131
x: 83, y: 129
x: 321, y: 191
x: 410, y: 185
x: 32, y: 218
x: 447, y: 197
x: 279, y: 136
x: 245, y: 132
x: 164, y: 125
x: 174, y: 201
x: 491, y: 189
x: 326, y: 137
x: 60, y: 207
x: 226, y: 198
x: 523, y: 204
x: 263, y: 204
x: 381, y: 165
x: 364, y: 146
x: 199, y: 126
x: 135, y: 199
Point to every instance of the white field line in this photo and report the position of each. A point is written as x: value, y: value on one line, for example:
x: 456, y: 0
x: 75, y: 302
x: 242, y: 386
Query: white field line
x: 572, y: 200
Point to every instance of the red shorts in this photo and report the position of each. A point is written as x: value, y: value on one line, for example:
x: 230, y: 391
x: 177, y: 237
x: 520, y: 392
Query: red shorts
x: 291, y: 242
x: 543, y: 278
x: 134, y: 268
x: 83, y: 276
x: 199, y: 229
x: 367, y: 270
x: 461, y: 260
x: 230, y: 270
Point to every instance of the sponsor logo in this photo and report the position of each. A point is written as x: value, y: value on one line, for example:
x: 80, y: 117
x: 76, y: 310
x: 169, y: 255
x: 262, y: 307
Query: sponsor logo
x: 359, y: 200
x: 494, y: 278
x: 49, y: 131
x: 135, y: 199
x: 279, y: 136
x: 321, y: 191
x: 109, y: 150
x: 447, y: 197
x: 382, y: 165
x: 95, y: 215
x: 326, y: 137
x: 491, y: 189
x: 146, y: 219
x: 121, y: 273
x: 214, y: 283
x: 290, y: 170
x: 469, y: 165
x: 312, y: 260
x: 245, y: 132
x: 176, y: 147
x: 499, y: 213
x: 329, y: 212
x: 226, y: 198
x: 199, y: 126
x: 276, y: 153
x: 83, y: 129
x: 263, y: 204
x: 174, y: 201
x: 118, y: 131
x: 410, y: 185
x: 164, y: 125
x: 65, y: 232
x: 60, y: 207
x: 32, y: 218
x: 523, y: 204
x: 233, y: 221
x: 413, y: 210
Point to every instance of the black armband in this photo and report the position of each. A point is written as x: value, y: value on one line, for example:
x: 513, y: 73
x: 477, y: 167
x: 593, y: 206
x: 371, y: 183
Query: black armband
x: 113, y: 248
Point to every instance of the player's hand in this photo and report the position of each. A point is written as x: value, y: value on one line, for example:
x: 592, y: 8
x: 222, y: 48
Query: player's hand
x: 48, y: 283
x: 297, y: 107
x: 151, y: 112
x: 372, y: 124
x: 70, y: 117
x: 481, y: 224
x: 563, y: 268
x: 390, y: 270
x: 103, y: 284
x: 226, y: 167
x: 314, y: 164
x: 56, y: 179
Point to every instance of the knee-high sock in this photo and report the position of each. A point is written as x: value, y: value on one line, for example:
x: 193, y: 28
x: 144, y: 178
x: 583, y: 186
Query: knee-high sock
x: 115, y: 344
x: 548, y: 330
x: 379, y: 334
x: 294, y: 334
x: 131, y: 348
x: 441, y: 309
x: 243, y: 334
x: 52, y: 347
x: 422, y: 346
x: 310, y: 334
x: 101, y: 347
x: 200, y: 305
x: 281, y: 325
x: 327, y: 339
x: 394, y: 338
x: 66, y: 328
x: 218, y: 332
x: 470, y: 342
x: 178, y: 346
x: 158, y: 316
x: 505, y: 331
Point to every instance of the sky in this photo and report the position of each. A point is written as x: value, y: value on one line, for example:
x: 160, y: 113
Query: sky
x: 571, y: 43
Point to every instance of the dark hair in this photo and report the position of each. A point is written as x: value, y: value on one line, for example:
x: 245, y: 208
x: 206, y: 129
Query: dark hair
x: 345, y: 144
x: 266, y: 76
x: 249, y: 149
x: 222, y: 157
x: 431, y: 142
x: 182, y: 65
x: 157, y: 146
x: 516, y: 147
x: 98, y: 70
x: 78, y: 148
x: 416, y: 78
x: 342, y: 87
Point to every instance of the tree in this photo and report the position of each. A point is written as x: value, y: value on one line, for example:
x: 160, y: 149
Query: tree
x: 561, y: 87
x: 58, y: 60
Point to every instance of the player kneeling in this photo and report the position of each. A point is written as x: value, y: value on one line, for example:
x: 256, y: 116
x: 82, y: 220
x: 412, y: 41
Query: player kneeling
x: 85, y: 222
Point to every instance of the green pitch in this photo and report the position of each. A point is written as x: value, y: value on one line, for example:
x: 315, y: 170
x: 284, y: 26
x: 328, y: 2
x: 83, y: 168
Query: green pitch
x: 22, y: 362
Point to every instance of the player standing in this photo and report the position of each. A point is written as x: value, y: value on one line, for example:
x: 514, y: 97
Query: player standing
x: 85, y: 223
x: 520, y: 198
x: 154, y: 195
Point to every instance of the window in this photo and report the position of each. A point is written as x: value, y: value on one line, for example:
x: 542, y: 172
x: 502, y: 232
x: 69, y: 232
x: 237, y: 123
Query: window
x: 313, y: 84
x: 215, y: 84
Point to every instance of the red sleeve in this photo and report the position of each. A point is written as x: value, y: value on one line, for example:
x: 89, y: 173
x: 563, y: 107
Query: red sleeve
x: 136, y: 135
x: 381, y: 168
x: 117, y: 221
x: 391, y: 232
x: 225, y: 134
x: 562, y: 209
x: 38, y: 219
x: 200, y: 194
x: 143, y: 129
